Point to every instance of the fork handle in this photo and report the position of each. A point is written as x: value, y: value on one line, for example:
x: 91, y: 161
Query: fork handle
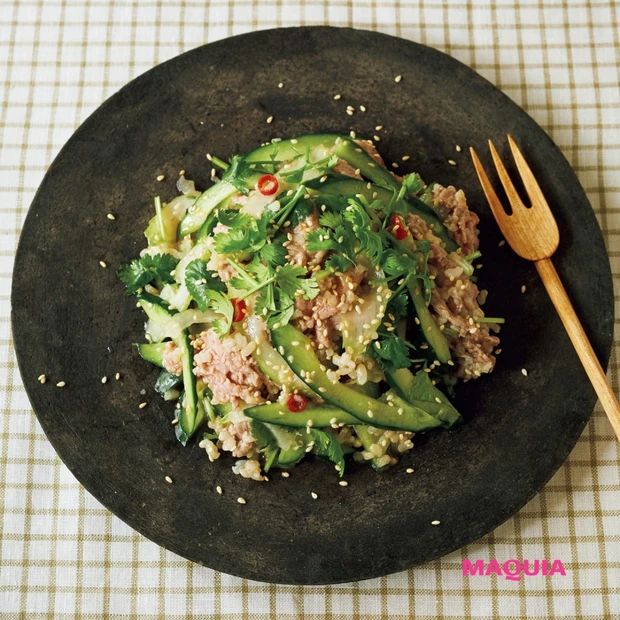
x: 580, y: 341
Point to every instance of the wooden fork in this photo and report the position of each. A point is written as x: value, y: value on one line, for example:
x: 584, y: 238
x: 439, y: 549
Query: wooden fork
x: 533, y: 234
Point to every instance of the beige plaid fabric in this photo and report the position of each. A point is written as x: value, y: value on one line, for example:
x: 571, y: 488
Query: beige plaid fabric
x: 63, y: 555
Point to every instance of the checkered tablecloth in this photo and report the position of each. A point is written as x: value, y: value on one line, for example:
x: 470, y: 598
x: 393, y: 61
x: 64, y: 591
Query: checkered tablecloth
x: 61, y: 553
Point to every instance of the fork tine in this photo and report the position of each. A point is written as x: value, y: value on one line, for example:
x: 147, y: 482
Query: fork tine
x: 511, y: 192
x: 496, y: 206
x: 529, y: 181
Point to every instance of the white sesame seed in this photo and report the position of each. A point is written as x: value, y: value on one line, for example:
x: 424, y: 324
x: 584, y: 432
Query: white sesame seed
x: 104, y: 265
x: 350, y: 107
x: 142, y: 405
x: 523, y: 289
x: 161, y: 177
x: 350, y: 112
x: 438, y: 400
x: 104, y: 379
x: 435, y: 522
x: 406, y: 157
x: 241, y: 500
x: 213, y: 173
x: 168, y: 479
x: 400, y: 411
x: 343, y: 483
x: 409, y: 470
x: 377, y: 138
x: 61, y: 384
x: 394, y: 164
x: 175, y: 421
x: 285, y: 474
x: 398, y: 78
x: 524, y: 371
x: 218, y: 488
x: 111, y: 216
x: 452, y: 162
x: 369, y: 413
x: 363, y: 108
x: 353, y: 134
x: 458, y: 148
x: 378, y: 127
x: 336, y: 97
x: 322, y: 390
x: 42, y: 378
x: 280, y: 85
x: 501, y: 243
x: 314, y: 495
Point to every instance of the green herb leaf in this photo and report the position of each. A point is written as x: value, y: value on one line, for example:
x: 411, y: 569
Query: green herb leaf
x: 201, y: 284
x: 291, y: 278
x: 239, y: 173
x: 143, y: 271
x: 274, y: 253
x: 327, y: 446
x: 413, y: 183
x: 392, y: 354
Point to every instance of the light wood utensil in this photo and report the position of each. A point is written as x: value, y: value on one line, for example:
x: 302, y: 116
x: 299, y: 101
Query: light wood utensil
x: 533, y: 234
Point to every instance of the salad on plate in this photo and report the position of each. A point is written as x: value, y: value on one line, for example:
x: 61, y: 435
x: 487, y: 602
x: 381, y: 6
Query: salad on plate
x: 311, y: 301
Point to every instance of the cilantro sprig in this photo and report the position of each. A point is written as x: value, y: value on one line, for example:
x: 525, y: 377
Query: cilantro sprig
x: 143, y: 271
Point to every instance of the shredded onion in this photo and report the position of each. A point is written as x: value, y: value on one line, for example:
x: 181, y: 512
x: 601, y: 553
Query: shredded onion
x: 185, y: 186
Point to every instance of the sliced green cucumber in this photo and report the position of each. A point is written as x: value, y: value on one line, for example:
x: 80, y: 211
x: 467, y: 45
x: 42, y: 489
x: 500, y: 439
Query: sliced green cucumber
x: 152, y: 352
x: 419, y: 391
x: 307, y: 366
x: 208, y: 200
x: 432, y: 334
x: 320, y: 416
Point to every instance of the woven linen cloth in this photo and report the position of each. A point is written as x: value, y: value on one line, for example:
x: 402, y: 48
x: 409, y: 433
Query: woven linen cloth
x: 62, y: 554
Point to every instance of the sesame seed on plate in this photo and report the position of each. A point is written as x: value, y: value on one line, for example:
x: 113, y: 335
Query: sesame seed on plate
x: 377, y: 138
x: 175, y: 421
x: 142, y: 405
x: 452, y: 162
x: 61, y: 384
x: 398, y: 78
x: 501, y: 243
x: 209, y: 157
x: 458, y: 148
x: 218, y: 488
x: 42, y: 378
x: 336, y: 97
x: 280, y: 85
x: 378, y: 127
x: 523, y: 289
x: 394, y: 164
x: 104, y: 265
x: 161, y: 177
x: 285, y: 474
x: 409, y: 470
x: 270, y: 119
x: 111, y: 216
x: 117, y: 376
x: 343, y: 483
x: 524, y: 371
x: 314, y: 495
x: 406, y: 157
x: 435, y: 522
x: 350, y: 112
x: 363, y: 108
x: 168, y: 479
x: 353, y: 134
x: 104, y: 379
x: 241, y: 500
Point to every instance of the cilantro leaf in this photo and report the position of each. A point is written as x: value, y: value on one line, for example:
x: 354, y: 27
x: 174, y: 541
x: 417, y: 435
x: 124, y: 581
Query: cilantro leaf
x: 238, y: 173
x: 143, y: 271
x: 395, y: 264
x: 398, y: 305
x: 291, y: 278
x: 234, y: 218
x: 235, y: 240
x: 222, y: 305
x: 413, y: 183
x: 200, y: 283
x: 392, y: 354
x: 330, y: 219
x: 265, y: 441
x: 283, y: 315
x: 338, y: 262
x: 303, y: 209
x: 327, y: 446
x: 274, y: 254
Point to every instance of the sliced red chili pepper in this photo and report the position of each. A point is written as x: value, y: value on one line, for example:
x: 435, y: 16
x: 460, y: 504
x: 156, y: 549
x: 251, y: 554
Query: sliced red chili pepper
x: 296, y: 402
x: 267, y: 185
x: 398, y: 227
x: 239, y: 307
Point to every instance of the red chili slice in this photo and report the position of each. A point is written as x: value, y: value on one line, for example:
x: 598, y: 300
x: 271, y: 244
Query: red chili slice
x: 239, y: 307
x: 267, y: 185
x: 398, y: 227
x: 296, y: 402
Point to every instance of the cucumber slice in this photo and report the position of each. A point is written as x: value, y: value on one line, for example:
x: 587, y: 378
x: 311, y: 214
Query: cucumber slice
x: 432, y: 334
x: 321, y: 416
x: 152, y: 352
x: 307, y: 366
x: 208, y: 200
x: 419, y: 391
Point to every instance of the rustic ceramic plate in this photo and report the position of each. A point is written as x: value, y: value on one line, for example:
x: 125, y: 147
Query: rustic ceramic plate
x: 72, y: 320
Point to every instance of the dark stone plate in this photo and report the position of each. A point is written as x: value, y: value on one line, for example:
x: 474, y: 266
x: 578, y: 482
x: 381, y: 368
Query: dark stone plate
x: 72, y: 320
